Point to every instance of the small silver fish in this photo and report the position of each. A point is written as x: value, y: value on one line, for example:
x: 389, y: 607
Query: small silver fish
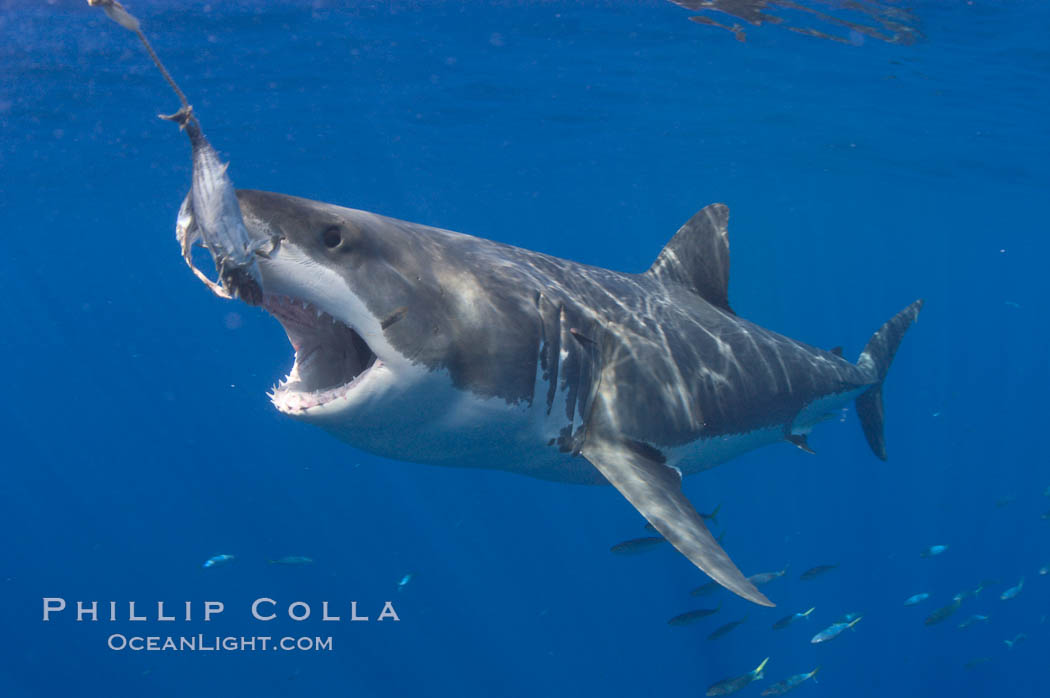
x: 788, y: 620
x: 1017, y: 638
x: 404, y: 581
x: 1012, y: 592
x: 637, y: 546
x: 789, y: 684
x: 293, y: 560
x: 690, y: 617
x: 933, y: 550
x: 975, y: 618
x: 705, y: 589
x: 985, y: 583
x: 216, y: 560
x: 833, y: 631
x: 944, y: 612
x: 814, y: 572
x: 918, y: 598
x: 723, y: 630
x: 738, y: 683
x: 766, y: 577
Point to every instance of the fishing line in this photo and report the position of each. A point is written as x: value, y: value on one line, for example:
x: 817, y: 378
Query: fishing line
x: 117, y: 12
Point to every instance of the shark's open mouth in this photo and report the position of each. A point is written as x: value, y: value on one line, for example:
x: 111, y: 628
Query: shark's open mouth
x: 330, y: 357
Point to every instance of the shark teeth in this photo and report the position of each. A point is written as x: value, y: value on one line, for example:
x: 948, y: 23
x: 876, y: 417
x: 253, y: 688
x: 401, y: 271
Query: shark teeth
x: 330, y: 356
x: 296, y: 402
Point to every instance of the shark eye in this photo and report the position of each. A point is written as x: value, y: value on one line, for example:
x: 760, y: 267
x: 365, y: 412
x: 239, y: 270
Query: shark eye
x: 332, y: 237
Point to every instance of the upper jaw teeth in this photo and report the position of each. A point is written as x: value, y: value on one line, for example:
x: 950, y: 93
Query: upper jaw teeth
x: 317, y: 364
x: 279, y: 301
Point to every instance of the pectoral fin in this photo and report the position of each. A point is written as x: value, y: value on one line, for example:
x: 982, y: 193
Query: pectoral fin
x: 655, y: 490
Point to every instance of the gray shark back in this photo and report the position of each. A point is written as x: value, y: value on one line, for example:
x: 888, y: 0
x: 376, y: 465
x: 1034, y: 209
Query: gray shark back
x: 494, y: 315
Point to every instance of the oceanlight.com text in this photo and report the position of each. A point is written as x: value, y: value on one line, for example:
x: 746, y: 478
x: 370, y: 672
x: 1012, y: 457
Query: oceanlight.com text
x: 217, y: 643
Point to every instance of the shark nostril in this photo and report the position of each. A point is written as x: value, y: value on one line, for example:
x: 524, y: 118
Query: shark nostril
x: 332, y: 237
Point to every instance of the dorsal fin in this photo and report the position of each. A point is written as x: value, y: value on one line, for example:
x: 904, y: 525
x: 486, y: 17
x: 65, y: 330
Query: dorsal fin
x: 697, y: 257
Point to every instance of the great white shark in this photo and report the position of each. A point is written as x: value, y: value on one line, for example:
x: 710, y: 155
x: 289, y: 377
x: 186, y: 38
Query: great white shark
x: 432, y: 346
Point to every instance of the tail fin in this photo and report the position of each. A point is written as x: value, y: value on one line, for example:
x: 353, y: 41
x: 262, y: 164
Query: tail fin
x: 877, y: 357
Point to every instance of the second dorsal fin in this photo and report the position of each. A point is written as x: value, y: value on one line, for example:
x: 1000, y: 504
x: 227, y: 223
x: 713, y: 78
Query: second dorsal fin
x: 697, y: 257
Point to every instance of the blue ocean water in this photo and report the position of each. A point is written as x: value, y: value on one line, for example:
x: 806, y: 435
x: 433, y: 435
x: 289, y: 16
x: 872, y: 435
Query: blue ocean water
x: 139, y: 440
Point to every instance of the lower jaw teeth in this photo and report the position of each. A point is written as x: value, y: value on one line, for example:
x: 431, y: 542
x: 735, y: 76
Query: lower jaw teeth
x: 299, y: 401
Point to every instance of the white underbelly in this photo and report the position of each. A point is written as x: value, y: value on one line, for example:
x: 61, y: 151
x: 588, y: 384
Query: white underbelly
x: 435, y: 423
x: 704, y: 454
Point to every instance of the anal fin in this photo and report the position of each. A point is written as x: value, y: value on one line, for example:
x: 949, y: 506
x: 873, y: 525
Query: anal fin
x: 655, y: 490
x: 800, y: 441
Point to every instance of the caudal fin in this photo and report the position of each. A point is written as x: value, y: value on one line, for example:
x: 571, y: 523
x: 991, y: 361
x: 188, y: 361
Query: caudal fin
x: 877, y: 357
